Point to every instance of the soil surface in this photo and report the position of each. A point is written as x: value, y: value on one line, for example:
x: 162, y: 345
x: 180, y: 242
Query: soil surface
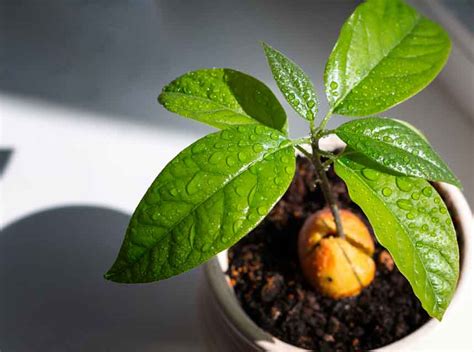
x: 269, y: 284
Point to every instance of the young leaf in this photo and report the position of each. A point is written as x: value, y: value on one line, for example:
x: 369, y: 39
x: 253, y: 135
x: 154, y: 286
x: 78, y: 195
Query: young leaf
x: 410, y: 219
x: 222, y: 98
x: 396, y: 146
x: 293, y: 83
x: 386, y: 53
x: 207, y: 198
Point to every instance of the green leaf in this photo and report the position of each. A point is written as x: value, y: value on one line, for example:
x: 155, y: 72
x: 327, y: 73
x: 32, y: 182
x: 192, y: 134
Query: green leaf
x: 293, y: 83
x: 396, y: 146
x: 222, y: 98
x: 386, y: 53
x: 410, y: 219
x: 208, y: 197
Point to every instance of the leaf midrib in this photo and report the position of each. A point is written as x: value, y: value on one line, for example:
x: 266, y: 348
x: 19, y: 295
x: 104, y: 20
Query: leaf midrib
x: 223, y: 107
x: 440, y: 169
x: 272, y: 122
x: 403, y: 227
x: 419, y: 18
x: 171, y: 228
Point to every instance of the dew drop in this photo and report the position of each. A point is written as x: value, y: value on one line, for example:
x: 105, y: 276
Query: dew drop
x: 226, y: 135
x: 243, y: 156
x: 219, y: 145
x: 370, y: 174
x: 194, y: 185
x: 257, y: 148
x: 404, y: 204
x: 215, y: 158
x: 415, y: 195
x: 427, y: 191
x: 387, y: 192
x: 404, y: 184
x: 261, y: 210
x: 259, y: 130
x: 241, y: 129
x: 198, y: 147
x: 174, y: 192
x: 274, y: 136
x: 237, y: 225
x: 230, y: 160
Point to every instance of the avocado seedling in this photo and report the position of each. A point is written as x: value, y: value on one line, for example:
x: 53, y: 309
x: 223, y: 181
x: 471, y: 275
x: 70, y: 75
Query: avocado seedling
x: 222, y: 186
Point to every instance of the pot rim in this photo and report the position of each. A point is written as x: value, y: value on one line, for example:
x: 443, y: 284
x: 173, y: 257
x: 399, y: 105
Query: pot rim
x: 244, y: 326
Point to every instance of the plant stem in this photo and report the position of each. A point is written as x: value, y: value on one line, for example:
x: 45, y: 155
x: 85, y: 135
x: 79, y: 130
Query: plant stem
x: 324, y: 122
x: 322, y: 179
x: 304, y: 151
x: 326, y: 188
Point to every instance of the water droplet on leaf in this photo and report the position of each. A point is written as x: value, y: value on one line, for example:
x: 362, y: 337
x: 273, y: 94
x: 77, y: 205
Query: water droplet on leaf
x: 427, y: 191
x: 403, y: 184
x: 387, y: 192
x: 370, y: 174
x: 404, y: 204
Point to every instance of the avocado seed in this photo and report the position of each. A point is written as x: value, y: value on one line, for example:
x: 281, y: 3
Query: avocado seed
x: 338, y: 267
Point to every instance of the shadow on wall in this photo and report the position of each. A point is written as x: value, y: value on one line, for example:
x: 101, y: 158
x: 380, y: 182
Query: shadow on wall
x: 113, y: 57
x: 5, y: 155
x: 53, y: 296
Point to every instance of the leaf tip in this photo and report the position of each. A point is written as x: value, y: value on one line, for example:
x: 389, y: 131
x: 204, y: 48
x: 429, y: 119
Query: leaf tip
x: 108, y: 276
x: 266, y: 48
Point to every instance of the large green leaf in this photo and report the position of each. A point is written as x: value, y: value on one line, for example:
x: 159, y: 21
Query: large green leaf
x: 386, y: 53
x: 222, y: 97
x: 293, y: 83
x: 207, y: 198
x: 396, y: 146
x: 410, y: 219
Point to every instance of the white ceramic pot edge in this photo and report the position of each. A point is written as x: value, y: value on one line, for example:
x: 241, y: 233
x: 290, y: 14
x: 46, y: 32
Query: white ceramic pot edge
x: 254, y: 336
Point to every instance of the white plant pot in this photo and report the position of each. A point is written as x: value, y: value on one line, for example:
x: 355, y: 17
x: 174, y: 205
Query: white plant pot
x: 227, y: 328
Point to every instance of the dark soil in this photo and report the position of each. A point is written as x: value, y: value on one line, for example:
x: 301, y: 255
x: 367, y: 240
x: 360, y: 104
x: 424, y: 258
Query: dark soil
x: 267, y: 280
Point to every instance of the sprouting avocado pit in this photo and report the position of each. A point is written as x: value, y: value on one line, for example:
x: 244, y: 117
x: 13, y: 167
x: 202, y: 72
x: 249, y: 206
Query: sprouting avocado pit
x: 338, y: 267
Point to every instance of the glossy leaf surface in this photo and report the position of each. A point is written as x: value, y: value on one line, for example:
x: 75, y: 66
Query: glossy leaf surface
x: 207, y: 198
x: 386, y: 53
x: 222, y: 98
x: 293, y: 83
x: 410, y: 219
x: 396, y: 146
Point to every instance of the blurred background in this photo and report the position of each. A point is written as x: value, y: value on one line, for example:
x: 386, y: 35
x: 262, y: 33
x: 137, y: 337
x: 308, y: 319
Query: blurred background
x: 82, y: 137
